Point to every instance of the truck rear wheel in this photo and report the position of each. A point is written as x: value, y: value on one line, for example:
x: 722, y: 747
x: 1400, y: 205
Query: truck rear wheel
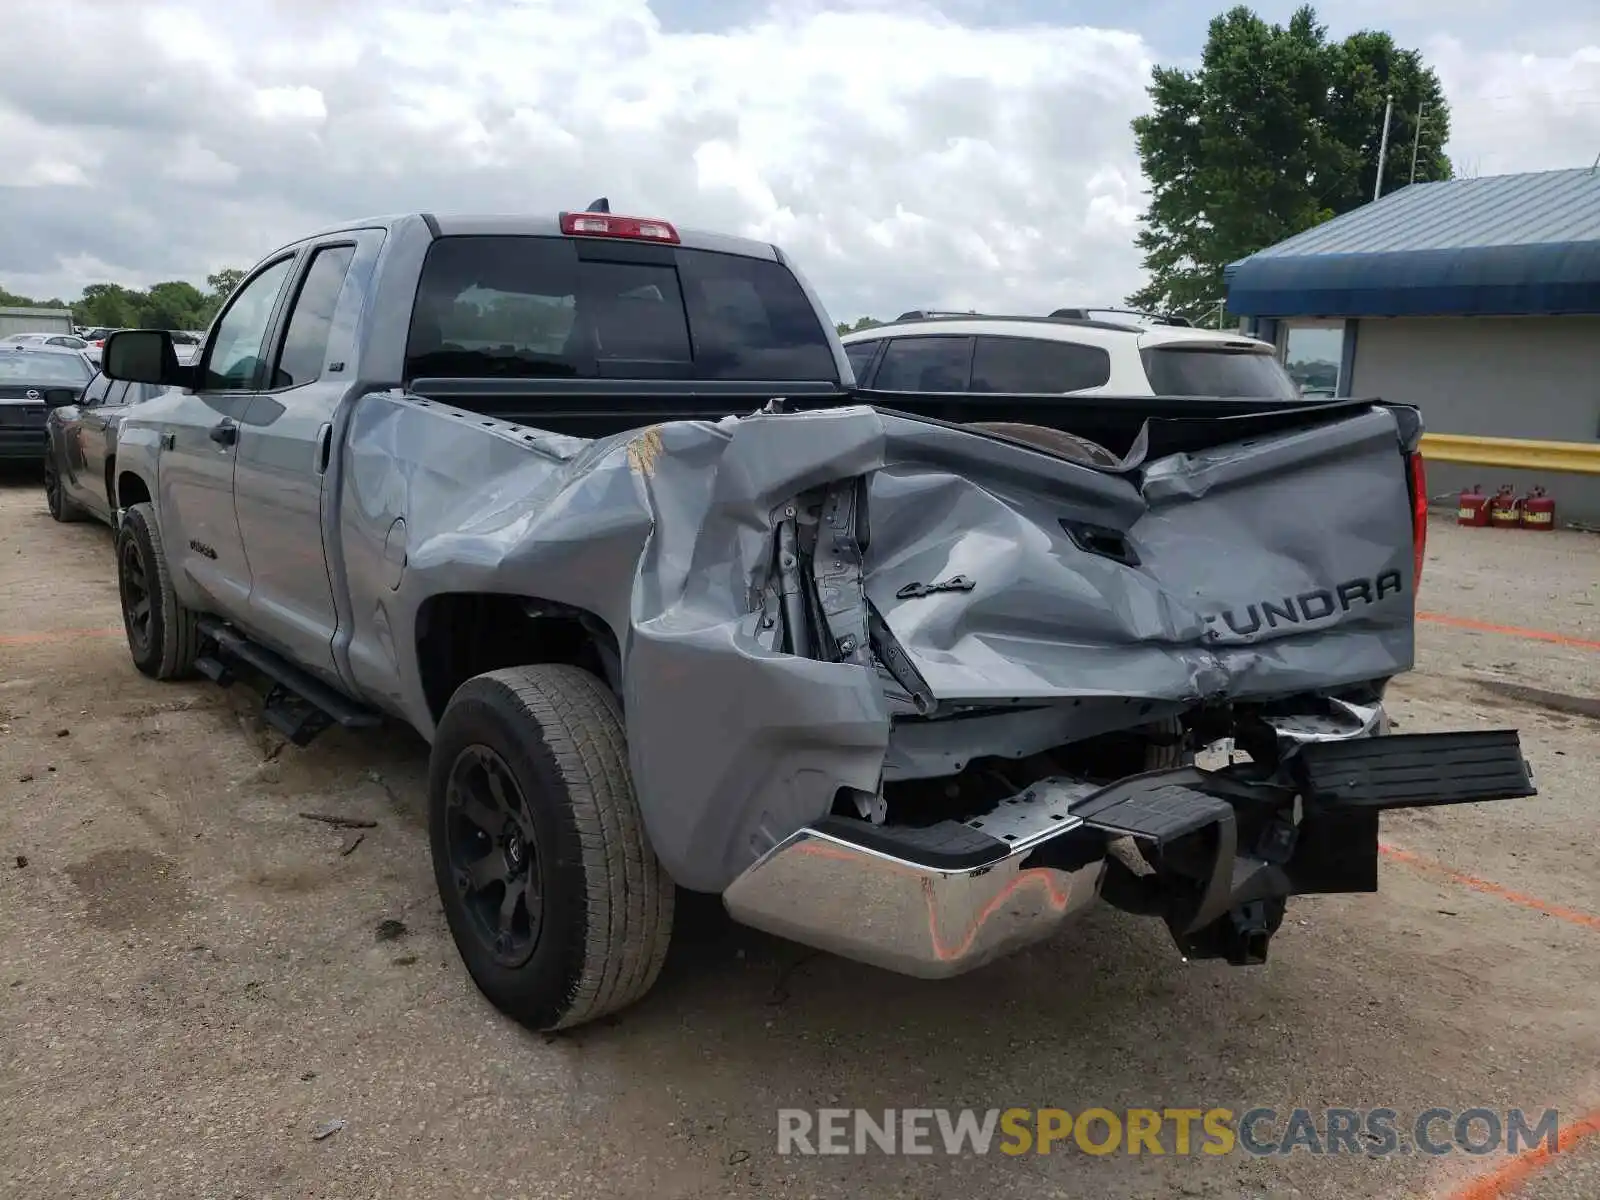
x: 556, y: 902
x: 163, y: 635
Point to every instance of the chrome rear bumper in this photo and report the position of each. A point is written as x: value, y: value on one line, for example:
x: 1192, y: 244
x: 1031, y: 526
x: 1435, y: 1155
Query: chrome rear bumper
x: 1223, y: 851
x: 955, y: 909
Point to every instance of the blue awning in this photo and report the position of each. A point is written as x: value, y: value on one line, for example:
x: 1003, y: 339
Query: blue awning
x: 1472, y: 281
x: 1502, y: 245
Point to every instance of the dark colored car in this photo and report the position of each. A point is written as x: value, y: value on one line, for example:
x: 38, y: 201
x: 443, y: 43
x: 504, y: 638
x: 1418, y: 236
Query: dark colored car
x: 82, y: 447
x: 34, y: 380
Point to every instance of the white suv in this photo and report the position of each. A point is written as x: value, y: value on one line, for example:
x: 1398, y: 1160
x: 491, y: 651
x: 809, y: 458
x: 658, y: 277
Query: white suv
x: 1072, y: 351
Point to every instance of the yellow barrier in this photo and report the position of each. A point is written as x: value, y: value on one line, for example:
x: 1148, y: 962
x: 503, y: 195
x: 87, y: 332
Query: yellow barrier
x: 1573, y: 458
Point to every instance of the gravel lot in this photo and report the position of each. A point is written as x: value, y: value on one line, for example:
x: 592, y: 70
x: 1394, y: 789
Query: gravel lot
x: 191, y: 978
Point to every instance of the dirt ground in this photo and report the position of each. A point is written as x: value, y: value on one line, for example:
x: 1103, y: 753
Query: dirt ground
x: 192, y: 979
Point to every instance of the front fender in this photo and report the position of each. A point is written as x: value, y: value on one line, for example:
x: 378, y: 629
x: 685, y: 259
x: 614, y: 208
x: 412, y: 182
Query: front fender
x: 138, y: 458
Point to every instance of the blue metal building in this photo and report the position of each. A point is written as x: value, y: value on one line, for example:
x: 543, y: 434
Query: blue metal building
x: 1478, y: 300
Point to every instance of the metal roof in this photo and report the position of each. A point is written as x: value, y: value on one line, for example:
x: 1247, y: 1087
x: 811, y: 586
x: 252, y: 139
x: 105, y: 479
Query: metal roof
x: 1502, y: 244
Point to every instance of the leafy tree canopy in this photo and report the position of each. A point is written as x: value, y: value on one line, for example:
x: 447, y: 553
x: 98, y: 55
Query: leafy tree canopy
x: 1277, y: 130
x: 175, y: 304
x: 845, y: 327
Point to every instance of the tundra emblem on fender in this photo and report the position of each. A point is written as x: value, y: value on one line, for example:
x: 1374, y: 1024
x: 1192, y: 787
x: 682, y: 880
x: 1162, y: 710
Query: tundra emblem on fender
x: 1313, y: 605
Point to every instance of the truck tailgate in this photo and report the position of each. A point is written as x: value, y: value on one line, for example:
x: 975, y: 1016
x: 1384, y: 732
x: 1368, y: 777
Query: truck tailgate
x: 1260, y: 567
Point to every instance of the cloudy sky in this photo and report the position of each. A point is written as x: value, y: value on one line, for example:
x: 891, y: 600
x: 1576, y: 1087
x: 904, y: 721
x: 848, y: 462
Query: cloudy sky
x: 947, y: 153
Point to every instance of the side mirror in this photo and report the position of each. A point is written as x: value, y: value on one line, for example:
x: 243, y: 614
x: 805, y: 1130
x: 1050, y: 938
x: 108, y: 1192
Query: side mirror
x: 142, y: 356
x: 59, y: 397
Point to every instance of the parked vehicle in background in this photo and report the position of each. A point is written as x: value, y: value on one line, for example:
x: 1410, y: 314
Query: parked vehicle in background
x: 590, y: 503
x: 81, y: 449
x: 186, y: 343
x: 62, y: 341
x: 97, y: 343
x: 1073, y: 351
x: 33, y: 380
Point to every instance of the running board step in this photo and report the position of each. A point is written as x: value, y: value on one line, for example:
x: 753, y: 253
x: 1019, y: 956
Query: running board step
x: 298, y: 705
x: 1414, y: 770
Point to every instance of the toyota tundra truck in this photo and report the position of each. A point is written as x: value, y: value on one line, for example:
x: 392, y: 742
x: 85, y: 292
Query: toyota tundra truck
x: 594, y: 505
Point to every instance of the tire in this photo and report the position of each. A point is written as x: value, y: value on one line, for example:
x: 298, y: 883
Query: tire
x: 163, y: 635
x: 62, y: 507
x: 1052, y: 441
x: 552, y: 736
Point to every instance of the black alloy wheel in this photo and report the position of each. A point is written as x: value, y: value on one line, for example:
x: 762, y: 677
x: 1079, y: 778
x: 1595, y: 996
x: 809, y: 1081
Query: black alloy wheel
x: 134, y: 583
x: 494, y: 856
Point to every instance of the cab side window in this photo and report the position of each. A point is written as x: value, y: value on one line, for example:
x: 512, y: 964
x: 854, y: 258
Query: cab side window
x: 239, y: 341
x: 305, y: 344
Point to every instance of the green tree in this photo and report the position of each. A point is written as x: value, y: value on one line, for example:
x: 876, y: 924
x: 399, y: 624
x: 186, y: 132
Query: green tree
x: 108, y: 304
x: 861, y: 323
x: 223, y: 282
x: 1276, y: 131
x: 175, y: 304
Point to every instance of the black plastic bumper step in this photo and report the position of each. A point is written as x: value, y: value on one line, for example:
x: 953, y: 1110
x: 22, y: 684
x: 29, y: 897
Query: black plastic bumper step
x: 339, y: 709
x: 1152, y: 809
x: 1415, y: 770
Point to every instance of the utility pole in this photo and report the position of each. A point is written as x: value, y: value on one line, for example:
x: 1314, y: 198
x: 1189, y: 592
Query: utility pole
x: 1383, y: 147
x: 1416, y: 142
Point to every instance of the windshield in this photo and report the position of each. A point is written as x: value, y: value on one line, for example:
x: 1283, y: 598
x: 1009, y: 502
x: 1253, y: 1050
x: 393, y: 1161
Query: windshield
x: 1204, y: 371
x: 37, y: 366
x: 545, y: 307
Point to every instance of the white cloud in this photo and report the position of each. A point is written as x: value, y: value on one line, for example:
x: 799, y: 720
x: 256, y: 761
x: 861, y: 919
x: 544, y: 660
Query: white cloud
x: 1521, y: 110
x: 904, y: 157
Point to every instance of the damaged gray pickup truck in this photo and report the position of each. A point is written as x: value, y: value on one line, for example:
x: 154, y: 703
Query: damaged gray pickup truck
x: 595, y: 507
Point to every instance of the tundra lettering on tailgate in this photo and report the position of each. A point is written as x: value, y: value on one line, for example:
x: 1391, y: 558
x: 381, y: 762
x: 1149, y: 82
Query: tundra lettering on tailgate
x: 1313, y: 605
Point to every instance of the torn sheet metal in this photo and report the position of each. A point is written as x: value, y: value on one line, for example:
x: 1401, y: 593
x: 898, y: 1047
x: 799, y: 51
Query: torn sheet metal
x: 1260, y: 568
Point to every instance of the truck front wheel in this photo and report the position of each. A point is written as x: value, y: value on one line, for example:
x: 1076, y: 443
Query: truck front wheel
x: 163, y: 635
x: 557, y: 904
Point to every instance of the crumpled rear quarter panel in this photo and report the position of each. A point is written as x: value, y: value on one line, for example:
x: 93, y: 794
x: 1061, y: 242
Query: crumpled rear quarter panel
x: 666, y: 535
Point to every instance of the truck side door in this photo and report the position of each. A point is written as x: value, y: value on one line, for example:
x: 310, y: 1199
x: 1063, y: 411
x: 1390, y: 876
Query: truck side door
x: 200, y: 438
x: 284, y: 450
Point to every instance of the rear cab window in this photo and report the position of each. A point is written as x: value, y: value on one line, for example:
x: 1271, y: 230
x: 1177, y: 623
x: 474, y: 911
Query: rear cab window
x: 1217, y: 369
x: 525, y: 307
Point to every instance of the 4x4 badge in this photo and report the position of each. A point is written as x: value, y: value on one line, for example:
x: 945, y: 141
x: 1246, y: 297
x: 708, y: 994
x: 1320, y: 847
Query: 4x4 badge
x: 956, y: 583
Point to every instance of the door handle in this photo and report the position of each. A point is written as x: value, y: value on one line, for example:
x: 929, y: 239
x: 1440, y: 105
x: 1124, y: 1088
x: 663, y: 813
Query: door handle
x: 324, y: 445
x: 226, y: 433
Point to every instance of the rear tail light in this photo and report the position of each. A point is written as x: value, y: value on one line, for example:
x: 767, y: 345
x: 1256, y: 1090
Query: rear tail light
x: 644, y: 229
x: 1419, y: 511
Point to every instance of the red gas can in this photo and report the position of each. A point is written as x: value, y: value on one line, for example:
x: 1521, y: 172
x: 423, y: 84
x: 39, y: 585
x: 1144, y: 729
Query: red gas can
x: 1504, y: 509
x: 1538, y: 510
x: 1472, y: 508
